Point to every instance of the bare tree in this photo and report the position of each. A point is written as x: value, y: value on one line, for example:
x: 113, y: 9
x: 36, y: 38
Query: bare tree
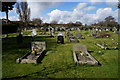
x: 24, y: 14
x: 53, y: 22
x: 37, y: 21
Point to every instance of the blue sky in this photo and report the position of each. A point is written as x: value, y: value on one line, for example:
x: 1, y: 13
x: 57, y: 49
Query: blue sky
x: 77, y: 11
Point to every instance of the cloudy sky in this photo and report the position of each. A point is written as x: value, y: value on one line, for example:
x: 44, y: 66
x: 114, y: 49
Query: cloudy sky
x: 87, y: 12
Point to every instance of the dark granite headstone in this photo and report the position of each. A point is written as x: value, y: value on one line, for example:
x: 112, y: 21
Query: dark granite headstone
x: 19, y: 38
x: 60, y: 38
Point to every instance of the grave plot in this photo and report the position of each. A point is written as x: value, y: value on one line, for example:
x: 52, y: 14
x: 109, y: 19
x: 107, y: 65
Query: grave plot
x: 34, y: 56
x: 72, y: 38
x: 105, y: 46
x: 82, y: 57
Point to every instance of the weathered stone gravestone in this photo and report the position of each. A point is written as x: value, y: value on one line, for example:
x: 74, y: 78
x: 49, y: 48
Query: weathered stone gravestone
x: 60, y: 38
x: 35, y: 55
x: 78, y: 29
x: 78, y: 35
x: 51, y: 31
x: 82, y: 57
x: 107, y: 29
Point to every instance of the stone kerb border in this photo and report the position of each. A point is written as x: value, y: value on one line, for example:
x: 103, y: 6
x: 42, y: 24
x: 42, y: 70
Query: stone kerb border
x: 92, y: 60
x: 35, y: 57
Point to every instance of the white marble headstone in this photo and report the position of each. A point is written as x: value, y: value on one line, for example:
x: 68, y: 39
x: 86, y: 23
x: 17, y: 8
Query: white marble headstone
x: 34, y: 32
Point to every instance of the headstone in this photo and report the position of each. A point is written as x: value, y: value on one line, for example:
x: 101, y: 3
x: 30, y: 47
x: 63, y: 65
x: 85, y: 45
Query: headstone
x: 60, y: 38
x: 34, y: 32
x: 39, y: 46
x: 19, y: 39
x: 107, y: 30
x: 78, y: 29
x: 78, y: 35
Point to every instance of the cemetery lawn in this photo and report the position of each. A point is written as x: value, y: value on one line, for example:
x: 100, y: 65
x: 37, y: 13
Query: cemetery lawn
x: 58, y: 61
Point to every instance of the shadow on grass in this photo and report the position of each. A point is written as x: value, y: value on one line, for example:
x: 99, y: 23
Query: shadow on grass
x: 11, y: 43
x: 41, y: 57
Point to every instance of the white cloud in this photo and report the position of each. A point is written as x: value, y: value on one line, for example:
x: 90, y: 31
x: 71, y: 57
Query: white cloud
x: 112, y: 0
x: 11, y: 15
x: 58, y: 15
x: 38, y: 7
x: 79, y: 14
x: 45, y: 0
x: 12, y: 11
x: 90, y: 8
x: 109, y: 2
x: 14, y: 18
x: 103, y: 1
x: 81, y: 6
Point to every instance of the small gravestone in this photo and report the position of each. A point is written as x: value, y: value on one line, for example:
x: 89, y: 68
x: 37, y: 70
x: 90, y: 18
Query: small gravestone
x: 78, y: 35
x: 60, y: 38
x: 78, y: 29
x: 20, y: 39
x: 34, y: 32
x: 107, y: 29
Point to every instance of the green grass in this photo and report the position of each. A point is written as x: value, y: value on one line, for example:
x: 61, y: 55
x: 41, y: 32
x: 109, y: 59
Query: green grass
x: 58, y: 62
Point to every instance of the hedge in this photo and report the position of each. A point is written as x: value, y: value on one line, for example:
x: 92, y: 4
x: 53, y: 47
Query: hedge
x: 9, y: 28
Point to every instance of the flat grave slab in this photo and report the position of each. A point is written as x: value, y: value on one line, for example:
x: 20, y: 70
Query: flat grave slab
x: 82, y: 57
